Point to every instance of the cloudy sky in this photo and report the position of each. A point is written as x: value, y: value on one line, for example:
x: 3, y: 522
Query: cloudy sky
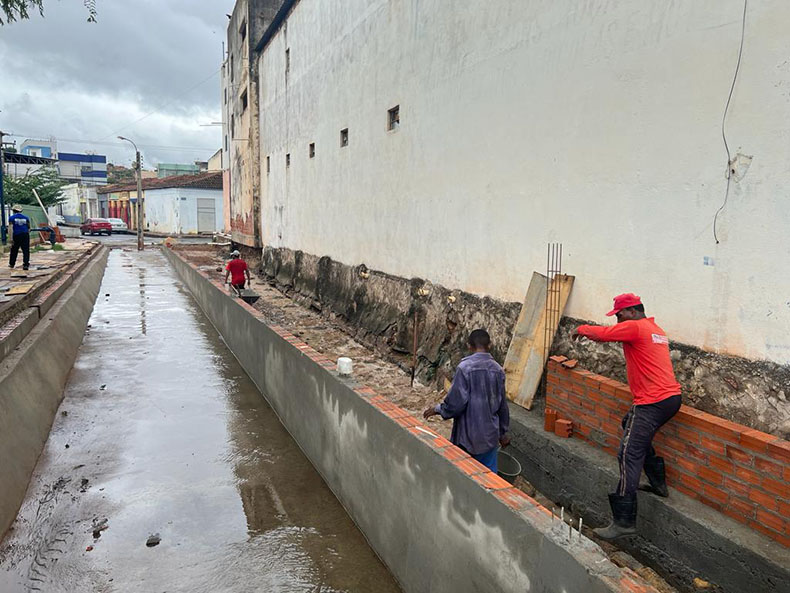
x: 148, y: 70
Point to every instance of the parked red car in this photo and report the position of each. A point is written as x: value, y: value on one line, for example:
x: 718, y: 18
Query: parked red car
x: 96, y: 225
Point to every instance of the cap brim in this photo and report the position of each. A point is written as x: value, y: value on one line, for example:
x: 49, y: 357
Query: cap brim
x: 613, y: 312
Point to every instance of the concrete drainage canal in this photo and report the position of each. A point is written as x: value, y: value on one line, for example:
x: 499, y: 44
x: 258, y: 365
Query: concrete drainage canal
x: 167, y: 471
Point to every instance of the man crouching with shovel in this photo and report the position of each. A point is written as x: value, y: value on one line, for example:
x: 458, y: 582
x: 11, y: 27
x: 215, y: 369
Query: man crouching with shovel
x: 236, y: 269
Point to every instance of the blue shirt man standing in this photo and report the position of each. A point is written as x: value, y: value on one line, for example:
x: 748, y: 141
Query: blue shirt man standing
x: 20, y: 227
x: 477, y: 404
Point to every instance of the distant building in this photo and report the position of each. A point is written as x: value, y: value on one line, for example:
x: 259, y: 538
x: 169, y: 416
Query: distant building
x: 215, y: 162
x: 178, y: 205
x: 79, y: 202
x: 171, y: 169
x: 43, y: 148
x: 89, y: 169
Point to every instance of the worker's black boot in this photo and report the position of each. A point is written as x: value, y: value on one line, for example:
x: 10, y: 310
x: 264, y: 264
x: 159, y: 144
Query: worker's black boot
x: 656, y: 475
x: 623, y: 517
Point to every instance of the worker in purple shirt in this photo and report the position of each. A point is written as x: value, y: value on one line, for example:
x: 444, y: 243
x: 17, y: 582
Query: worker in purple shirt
x: 477, y: 404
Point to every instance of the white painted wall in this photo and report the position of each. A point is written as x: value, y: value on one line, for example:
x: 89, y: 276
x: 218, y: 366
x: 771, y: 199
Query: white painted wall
x: 593, y: 123
x: 173, y: 211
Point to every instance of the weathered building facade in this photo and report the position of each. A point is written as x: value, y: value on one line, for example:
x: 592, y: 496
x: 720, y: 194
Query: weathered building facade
x: 450, y: 141
x: 248, y: 23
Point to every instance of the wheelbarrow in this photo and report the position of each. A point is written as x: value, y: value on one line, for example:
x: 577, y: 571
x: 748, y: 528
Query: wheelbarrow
x: 245, y: 294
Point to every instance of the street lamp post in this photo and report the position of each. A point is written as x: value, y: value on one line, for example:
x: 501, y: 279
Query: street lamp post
x: 140, y: 209
x: 3, y: 227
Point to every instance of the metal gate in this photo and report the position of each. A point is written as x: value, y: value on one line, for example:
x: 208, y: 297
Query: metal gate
x: 206, y: 216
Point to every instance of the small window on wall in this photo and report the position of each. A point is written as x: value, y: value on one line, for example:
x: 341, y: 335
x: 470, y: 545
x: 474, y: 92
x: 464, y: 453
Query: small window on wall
x: 226, y: 143
x: 288, y: 160
x: 244, y: 101
x: 312, y: 150
x: 268, y: 164
x: 287, y: 60
x: 231, y: 68
x: 344, y: 137
x: 393, y: 118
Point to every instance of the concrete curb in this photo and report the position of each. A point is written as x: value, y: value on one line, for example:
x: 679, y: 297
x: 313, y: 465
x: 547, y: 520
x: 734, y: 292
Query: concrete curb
x: 677, y: 533
x: 439, y: 520
x: 32, y: 379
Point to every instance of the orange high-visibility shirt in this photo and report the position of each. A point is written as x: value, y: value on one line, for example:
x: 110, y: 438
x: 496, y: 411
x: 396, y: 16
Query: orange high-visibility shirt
x: 647, y: 361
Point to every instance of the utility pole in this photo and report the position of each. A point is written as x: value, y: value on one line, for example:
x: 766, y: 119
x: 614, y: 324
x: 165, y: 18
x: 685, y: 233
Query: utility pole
x: 140, y: 209
x: 3, y: 227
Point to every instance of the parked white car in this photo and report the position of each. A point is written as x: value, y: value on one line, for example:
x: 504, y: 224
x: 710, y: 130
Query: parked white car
x: 118, y: 226
x: 59, y: 219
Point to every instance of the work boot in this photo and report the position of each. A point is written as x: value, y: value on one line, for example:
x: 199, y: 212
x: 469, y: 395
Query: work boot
x: 656, y: 475
x: 623, y: 517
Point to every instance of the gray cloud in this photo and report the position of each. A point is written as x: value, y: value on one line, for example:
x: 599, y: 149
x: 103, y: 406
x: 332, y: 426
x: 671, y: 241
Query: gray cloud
x: 74, y: 80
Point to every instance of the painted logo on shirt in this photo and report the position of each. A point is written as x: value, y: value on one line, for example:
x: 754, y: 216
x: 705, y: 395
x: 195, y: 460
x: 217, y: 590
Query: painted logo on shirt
x: 659, y: 339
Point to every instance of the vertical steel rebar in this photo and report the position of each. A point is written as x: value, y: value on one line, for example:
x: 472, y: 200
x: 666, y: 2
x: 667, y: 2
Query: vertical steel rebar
x: 553, y: 302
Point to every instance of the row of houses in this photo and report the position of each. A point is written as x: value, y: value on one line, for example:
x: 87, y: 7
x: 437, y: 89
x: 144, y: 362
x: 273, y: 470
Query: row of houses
x: 177, y: 205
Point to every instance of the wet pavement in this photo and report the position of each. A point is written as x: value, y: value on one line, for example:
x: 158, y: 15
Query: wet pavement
x: 162, y: 433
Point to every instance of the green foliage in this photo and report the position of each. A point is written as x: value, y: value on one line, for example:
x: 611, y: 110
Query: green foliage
x: 118, y: 174
x: 46, y: 181
x: 14, y: 10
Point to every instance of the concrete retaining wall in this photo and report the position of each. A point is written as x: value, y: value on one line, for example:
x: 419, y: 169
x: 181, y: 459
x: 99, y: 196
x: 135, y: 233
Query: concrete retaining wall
x: 32, y: 378
x: 439, y: 520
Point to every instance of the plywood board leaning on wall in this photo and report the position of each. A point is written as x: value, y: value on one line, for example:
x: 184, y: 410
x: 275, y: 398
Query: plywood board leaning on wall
x: 526, y: 355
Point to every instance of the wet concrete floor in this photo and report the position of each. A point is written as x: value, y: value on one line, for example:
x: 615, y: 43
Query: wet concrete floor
x: 161, y: 432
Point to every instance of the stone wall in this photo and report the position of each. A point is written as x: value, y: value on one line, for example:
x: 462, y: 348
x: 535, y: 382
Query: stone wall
x: 378, y: 309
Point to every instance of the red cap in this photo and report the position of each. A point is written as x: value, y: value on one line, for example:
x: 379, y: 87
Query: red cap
x: 623, y: 301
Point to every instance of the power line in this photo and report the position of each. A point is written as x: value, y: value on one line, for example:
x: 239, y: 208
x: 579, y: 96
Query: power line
x: 170, y: 102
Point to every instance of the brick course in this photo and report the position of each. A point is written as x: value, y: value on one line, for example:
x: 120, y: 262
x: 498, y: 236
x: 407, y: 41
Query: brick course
x: 739, y: 471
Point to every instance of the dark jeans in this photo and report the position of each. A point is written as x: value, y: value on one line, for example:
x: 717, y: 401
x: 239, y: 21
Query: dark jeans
x: 20, y: 240
x: 640, y: 425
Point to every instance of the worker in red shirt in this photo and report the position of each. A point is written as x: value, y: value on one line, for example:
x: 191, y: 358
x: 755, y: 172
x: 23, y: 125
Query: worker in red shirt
x: 236, y: 269
x: 656, y: 399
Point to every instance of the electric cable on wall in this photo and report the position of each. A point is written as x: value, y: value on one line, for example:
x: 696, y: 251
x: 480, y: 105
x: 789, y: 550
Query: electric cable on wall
x: 724, y: 120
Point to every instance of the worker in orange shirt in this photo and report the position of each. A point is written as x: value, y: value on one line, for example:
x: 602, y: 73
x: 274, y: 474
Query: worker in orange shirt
x: 656, y: 395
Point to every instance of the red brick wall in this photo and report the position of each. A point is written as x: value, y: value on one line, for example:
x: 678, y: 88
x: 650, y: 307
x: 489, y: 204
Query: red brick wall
x: 741, y: 472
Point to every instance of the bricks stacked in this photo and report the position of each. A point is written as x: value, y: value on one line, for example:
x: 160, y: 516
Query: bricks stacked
x: 738, y: 471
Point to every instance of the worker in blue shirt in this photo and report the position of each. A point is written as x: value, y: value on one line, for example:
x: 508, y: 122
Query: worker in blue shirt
x: 477, y: 404
x: 20, y: 225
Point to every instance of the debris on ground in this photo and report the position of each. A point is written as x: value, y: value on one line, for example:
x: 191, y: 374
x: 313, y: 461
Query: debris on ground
x: 98, y: 527
x: 153, y: 540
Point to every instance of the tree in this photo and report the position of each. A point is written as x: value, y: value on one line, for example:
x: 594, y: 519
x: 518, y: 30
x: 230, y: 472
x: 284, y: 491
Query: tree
x: 13, y: 10
x: 46, y: 181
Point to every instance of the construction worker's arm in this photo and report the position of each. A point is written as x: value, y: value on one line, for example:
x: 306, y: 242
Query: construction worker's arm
x: 247, y: 271
x: 621, y: 332
x: 227, y: 273
x: 455, y: 402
